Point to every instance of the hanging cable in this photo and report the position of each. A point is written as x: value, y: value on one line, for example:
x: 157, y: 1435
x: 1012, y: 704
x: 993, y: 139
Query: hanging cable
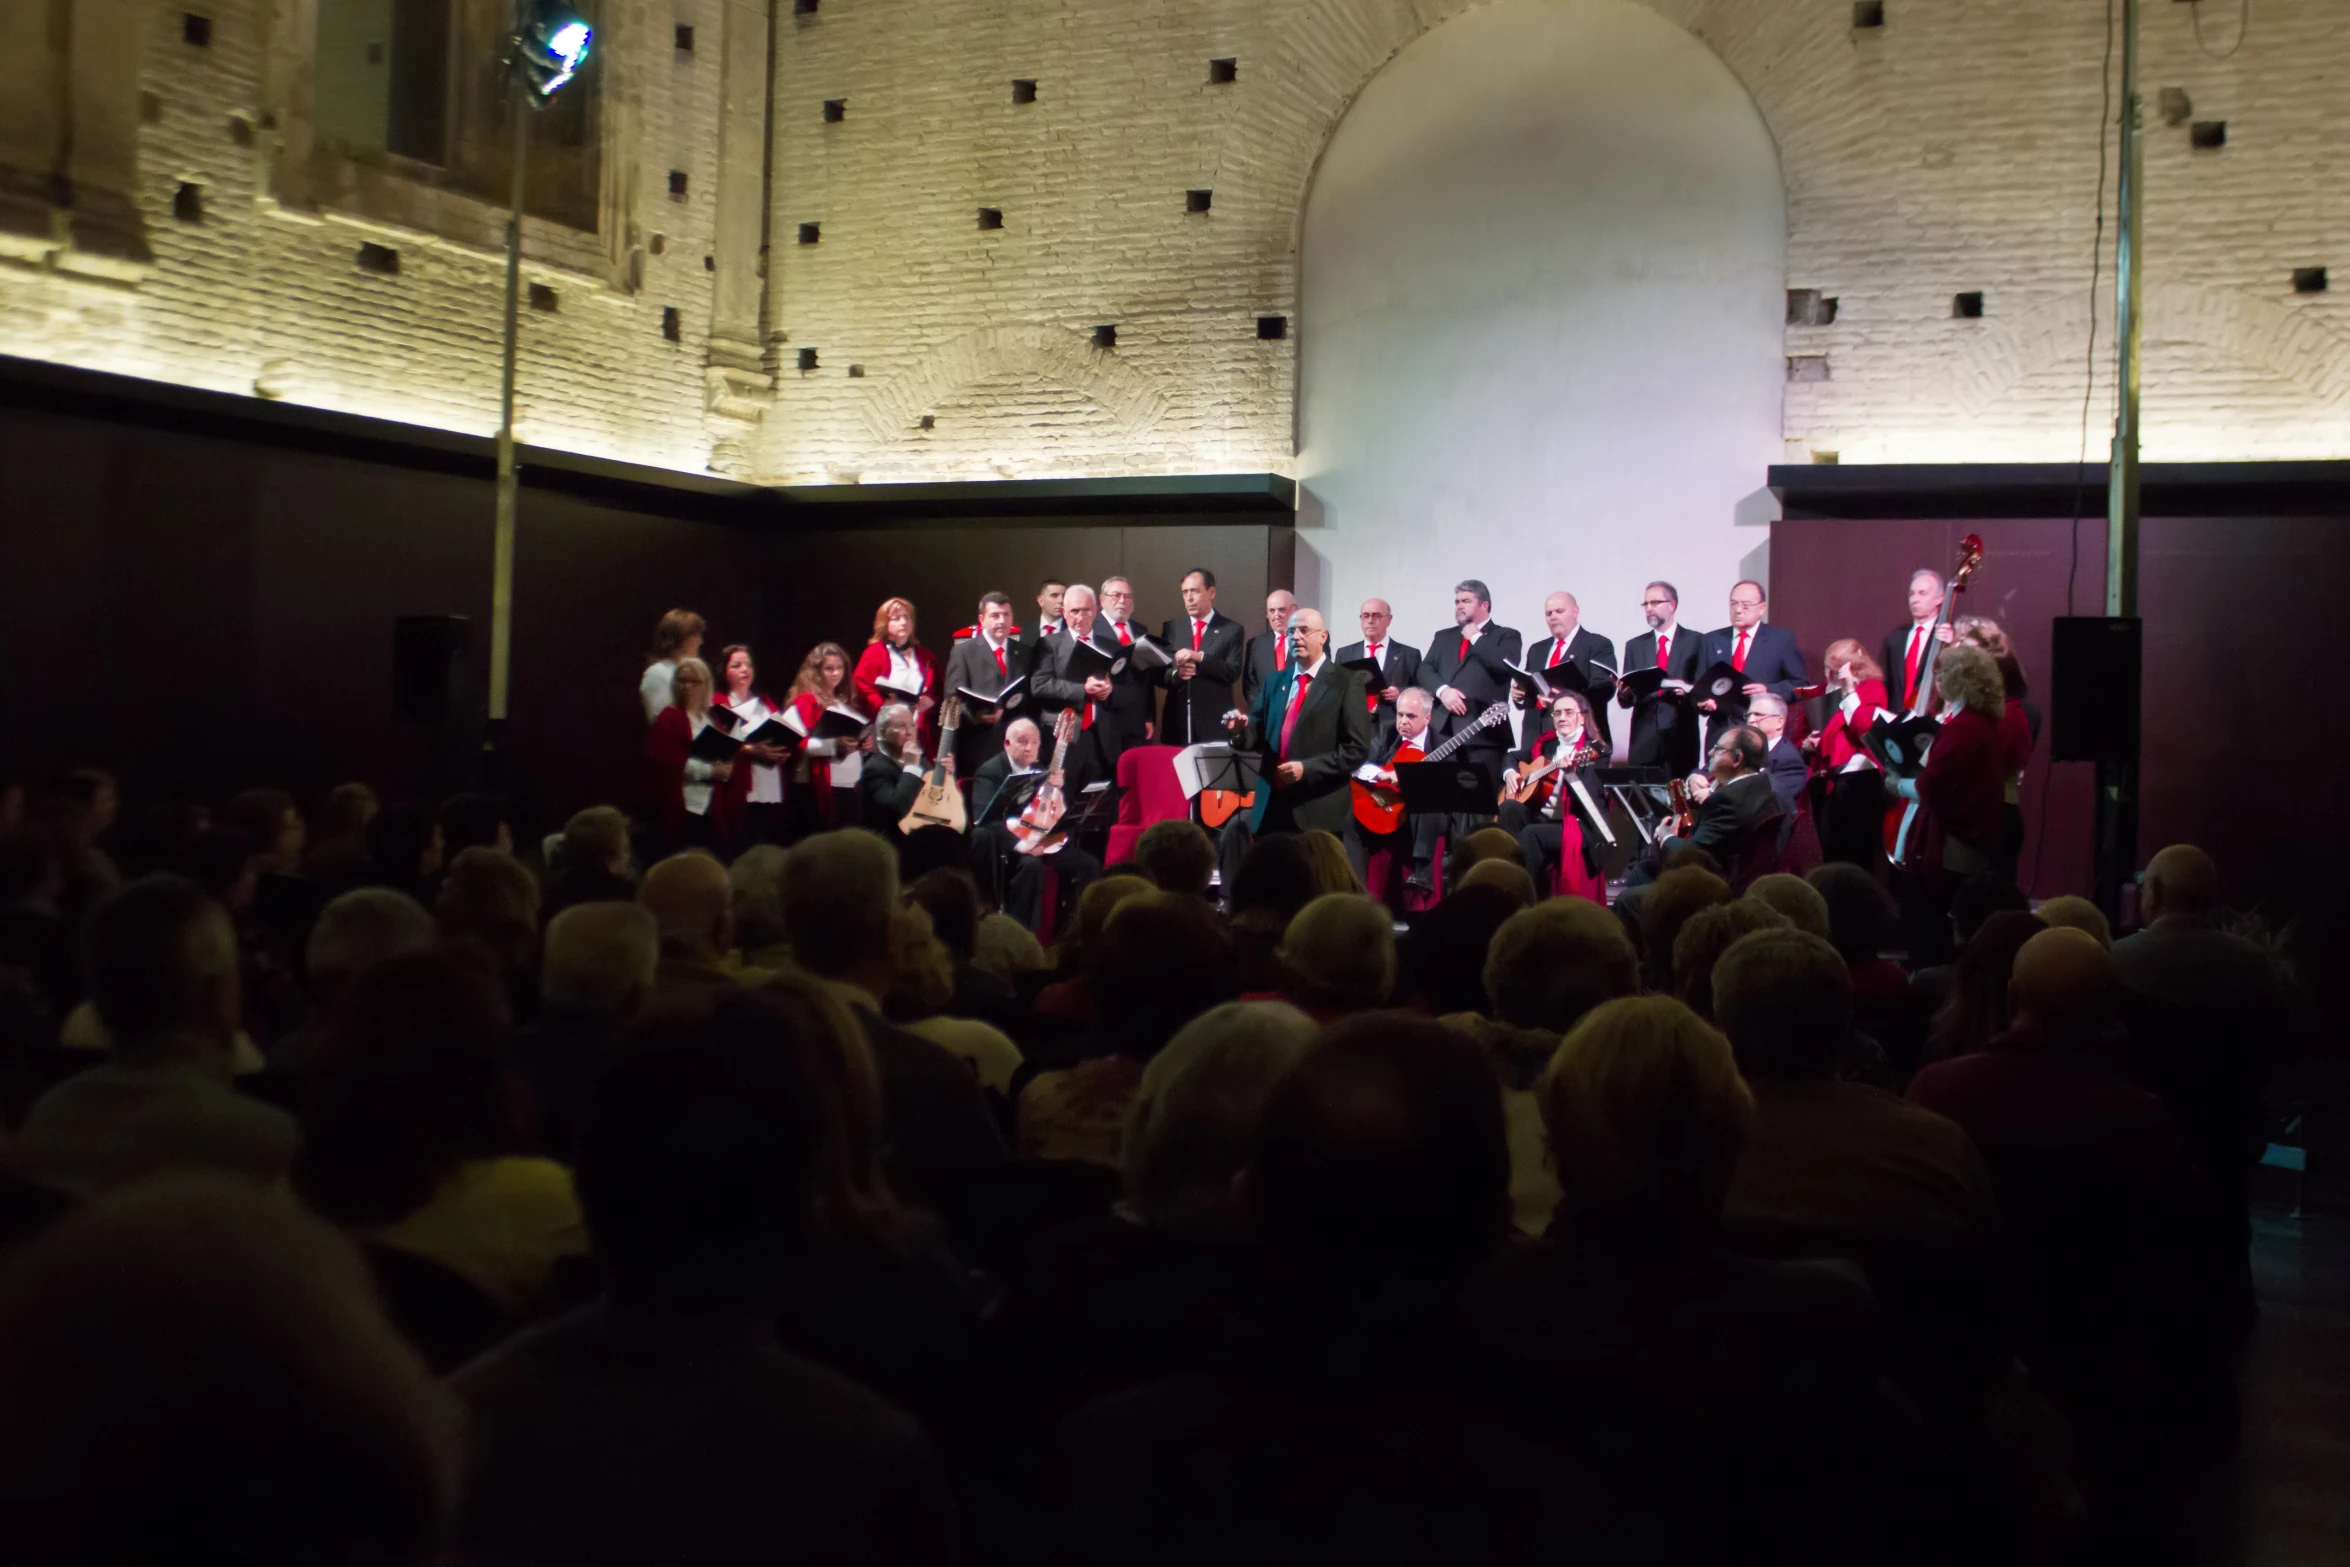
x: 2243, y: 26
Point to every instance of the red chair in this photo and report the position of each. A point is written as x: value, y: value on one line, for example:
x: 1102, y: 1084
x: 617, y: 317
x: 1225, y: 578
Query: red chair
x: 1147, y: 775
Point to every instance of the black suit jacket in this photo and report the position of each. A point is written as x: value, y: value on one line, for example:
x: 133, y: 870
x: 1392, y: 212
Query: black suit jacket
x: 1542, y: 748
x: 1266, y: 653
x: 970, y: 665
x: 1729, y: 815
x: 1585, y: 650
x: 1332, y: 739
x: 1664, y: 726
x: 1482, y: 678
x: 1133, y: 698
x: 886, y: 789
x: 990, y: 780
x: 1788, y: 773
x: 1401, y: 665
x: 1772, y: 659
x: 1207, y: 696
x: 1054, y: 689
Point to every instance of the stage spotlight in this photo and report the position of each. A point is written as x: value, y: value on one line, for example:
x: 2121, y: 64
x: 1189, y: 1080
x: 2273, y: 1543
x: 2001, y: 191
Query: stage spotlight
x: 550, y: 43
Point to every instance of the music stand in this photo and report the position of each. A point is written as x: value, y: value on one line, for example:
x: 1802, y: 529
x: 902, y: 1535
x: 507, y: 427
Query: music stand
x: 1216, y: 764
x: 1454, y: 788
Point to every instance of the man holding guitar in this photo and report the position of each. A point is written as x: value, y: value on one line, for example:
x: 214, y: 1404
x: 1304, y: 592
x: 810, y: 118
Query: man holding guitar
x: 1554, y: 825
x: 1380, y: 817
x: 1017, y: 848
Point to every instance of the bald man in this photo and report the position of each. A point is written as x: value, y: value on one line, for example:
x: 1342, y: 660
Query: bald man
x: 1399, y: 669
x: 1569, y: 643
x: 2182, y: 955
x: 1313, y: 729
x: 692, y: 902
x: 1267, y: 650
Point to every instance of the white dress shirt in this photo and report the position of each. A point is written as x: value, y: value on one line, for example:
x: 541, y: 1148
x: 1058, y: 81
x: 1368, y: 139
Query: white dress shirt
x: 699, y: 775
x: 656, y: 687
x: 766, y: 780
x: 905, y: 669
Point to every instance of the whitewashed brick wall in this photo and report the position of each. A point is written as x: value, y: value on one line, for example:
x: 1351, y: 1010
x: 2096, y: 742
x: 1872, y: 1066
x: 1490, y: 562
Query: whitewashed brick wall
x: 1953, y: 150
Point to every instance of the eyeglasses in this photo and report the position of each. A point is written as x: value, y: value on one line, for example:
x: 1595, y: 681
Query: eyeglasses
x: 1654, y: 603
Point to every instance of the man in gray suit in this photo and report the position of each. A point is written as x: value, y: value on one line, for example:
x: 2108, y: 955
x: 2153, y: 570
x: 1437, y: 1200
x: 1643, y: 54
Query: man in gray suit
x: 984, y: 662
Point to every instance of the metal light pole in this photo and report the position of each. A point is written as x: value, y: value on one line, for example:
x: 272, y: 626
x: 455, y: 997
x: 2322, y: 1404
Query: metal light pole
x: 2116, y: 848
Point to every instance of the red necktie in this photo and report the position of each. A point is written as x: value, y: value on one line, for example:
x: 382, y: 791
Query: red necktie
x: 1558, y: 650
x: 1464, y: 647
x: 1371, y: 697
x: 1199, y: 629
x: 1125, y: 637
x: 1738, y: 654
x: 1663, y: 645
x: 1909, y: 686
x: 1001, y: 667
x: 1297, y: 703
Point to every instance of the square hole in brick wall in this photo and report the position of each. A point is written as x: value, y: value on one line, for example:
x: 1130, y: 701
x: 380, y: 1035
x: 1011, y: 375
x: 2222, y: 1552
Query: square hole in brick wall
x: 1198, y: 200
x: 545, y: 299
x: 1223, y: 72
x: 1869, y: 13
x: 1023, y: 90
x: 803, y: 7
x: 659, y: 244
x: 807, y: 359
x: 673, y: 324
x: 240, y: 130
x: 1809, y: 307
x: 677, y: 184
x: 2306, y: 280
x: 1826, y: 459
x: 1967, y: 307
x: 835, y: 110
x: 1807, y: 367
x: 709, y: 263
x: 382, y: 260
x: 991, y: 217
x: 2208, y: 135
x: 187, y: 203
x: 811, y: 233
x: 196, y: 29
x: 685, y: 39
x: 1272, y: 329
x: 856, y: 372
x: 1105, y: 337
x: 150, y: 107
x: 929, y: 422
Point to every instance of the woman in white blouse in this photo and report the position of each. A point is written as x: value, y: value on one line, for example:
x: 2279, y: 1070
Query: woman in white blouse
x: 679, y: 635
x: 760, y: 786
x: 695, y: 807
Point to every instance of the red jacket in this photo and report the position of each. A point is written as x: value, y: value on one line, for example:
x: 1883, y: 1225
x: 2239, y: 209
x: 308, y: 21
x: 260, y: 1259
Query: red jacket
x: 668, y: 746
x: 810, y: 707
x: 1839, y: 741
x: 2015, y: 738
x: 1963, y: 788
x: 872, y: 664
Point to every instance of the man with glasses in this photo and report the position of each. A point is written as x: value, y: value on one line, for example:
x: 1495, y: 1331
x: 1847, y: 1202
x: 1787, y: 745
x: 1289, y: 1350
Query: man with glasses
x: 1399, y: 669
x: 1764, y: 654
x: 1664, y: 728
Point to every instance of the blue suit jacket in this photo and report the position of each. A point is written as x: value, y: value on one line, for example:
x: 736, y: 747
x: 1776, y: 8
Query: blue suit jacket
x: 1772, y: 659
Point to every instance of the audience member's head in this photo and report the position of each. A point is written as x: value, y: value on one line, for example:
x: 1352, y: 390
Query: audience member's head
x: 1796, y: 899
x: 1709, y: 934
x: 1508, y: 875
x: 407, y: 1086
x: 1178, y: 855
x: 358, y: 930
x: 840, y: 901
x: 340, y: 836
x: 490, y: 898
x: 2074, y: 912
x: 1381, y: 1170
x: 2064, y: 985
x: 2180, y: 880
x: 470, y: 821
x: 1162, y: 960
x: 922, y: 971
x: 697, y: 1173
x: 197, y: 1371
x: 1274, y: 881
x: 1340, y: 954
x: 951, y: 898
x: 1676, y: 896
x: 1785, y: 1001
x: 601, y: 960
x: 1333, y: 872
x: 1490, y: 843
x: 1094, y: 907
x: 755, y: 883
x: 1976, y: 1010
x: 1978, y: 898
x: 1552, y: 963
x: 1644, y: 1113
x: 1447, y: 950
x: 1860, y: 915
x: 1008, y: 949
x: 404, y: 845
x: 853, y: 1200
x: 595, y: 839
x: 271, y: 822
x: 1194, y: 1116
x: 933, y: 848
x: 161, y: 962
x: 692, y: 902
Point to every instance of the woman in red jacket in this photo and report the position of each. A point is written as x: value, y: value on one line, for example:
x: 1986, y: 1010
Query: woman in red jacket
x: 822, y: 792
x: 1853, y: 814
x: 894, y: 656
x: 2019, y: 728
x: 1962, y: 793
x: 692, y: 803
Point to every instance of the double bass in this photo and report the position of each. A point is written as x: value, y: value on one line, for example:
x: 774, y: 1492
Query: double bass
x: 1900, y: 820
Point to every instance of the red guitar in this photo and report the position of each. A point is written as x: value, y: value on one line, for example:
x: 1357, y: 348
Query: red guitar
x: 1380, y: 807
x: 1038, y: 829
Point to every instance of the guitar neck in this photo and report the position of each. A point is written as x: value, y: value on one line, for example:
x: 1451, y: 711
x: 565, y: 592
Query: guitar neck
x: 1459, y: 740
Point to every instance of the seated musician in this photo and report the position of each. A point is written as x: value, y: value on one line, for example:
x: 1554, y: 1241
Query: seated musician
x: 1559, y: 847
x: 892, y: 775
x: 1000, y: 790
x: 1732, y: 801
x: 1418, y: 835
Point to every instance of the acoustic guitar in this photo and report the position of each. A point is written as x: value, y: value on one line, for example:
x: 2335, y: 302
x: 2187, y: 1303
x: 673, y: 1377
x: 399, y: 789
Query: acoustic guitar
x: 1038, y: 828
x: 1530, y: 790
x: 1380, y: 808
x: 940, y: 802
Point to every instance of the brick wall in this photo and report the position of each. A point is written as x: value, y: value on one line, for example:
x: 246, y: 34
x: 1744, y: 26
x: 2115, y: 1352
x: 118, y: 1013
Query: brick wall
x: 1953, y: 150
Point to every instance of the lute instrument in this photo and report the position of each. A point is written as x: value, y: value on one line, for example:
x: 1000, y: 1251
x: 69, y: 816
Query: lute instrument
x: 939, y: 803
x: 1380, y: 808
x: 1037, y: 829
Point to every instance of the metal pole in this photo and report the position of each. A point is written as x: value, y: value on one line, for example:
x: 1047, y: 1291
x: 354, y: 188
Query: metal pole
x: 2116, y: 847
x: 502, y: 539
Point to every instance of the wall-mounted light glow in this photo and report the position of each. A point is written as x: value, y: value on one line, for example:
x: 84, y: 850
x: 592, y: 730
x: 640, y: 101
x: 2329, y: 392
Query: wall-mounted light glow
x: 549, y: 46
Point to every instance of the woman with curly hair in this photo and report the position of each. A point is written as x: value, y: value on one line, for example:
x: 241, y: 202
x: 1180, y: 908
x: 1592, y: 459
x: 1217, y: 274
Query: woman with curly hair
x: 1961, y: 824
x: 823, y: 790
x: 895, y: 668
x: 2019, y: 726
x: 1852, y: 823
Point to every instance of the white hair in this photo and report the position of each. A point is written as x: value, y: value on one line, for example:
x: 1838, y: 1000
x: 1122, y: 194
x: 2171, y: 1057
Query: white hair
x: 1076, y: 588
x: 360, y: 929
x: 1767, y: 703
x: 601, y: 957
x: 1417, y: 696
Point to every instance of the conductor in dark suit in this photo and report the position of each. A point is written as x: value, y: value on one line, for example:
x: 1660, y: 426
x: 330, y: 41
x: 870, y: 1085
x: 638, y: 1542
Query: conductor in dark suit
x: 1060, y: 685
x: 1664, y: 725
x: 1466, y: 668
x: 1399, y: 669
x: 1210, y: 649
x: 1268, y: 650
x: 984, y: 662
x: 1765, y: 654
x: 1311, y: 724
x: 1569, y: 643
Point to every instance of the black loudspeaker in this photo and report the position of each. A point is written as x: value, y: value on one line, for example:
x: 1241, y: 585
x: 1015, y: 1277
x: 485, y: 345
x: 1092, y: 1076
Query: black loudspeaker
x: 430, y: 655
x: 2093, y: 689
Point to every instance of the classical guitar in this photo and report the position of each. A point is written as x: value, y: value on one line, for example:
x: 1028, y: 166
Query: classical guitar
x: 1038, y: 828
x: 940, y: 802
x: 1529, y: 788
x: 1901, y: 819
x: 1380, y: 808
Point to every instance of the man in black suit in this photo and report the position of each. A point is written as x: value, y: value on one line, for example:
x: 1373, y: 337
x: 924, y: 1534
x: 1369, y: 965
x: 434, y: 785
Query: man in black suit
x: 1734, y: 799
x: 1664, y: 728
x: 1268, y: 650
x: 1466, y: 668
x: 1399, y: 668
x: 985, y: 662
x: 1210, y: 650
x: 1133, y: 702
x: 1310, y: 722
x: 1059, y: 684
x: 891, y: 776
x: 1765, y: 654
x: 1569, y: 643
x: 1766, y: 715
x: 1903, y: 656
